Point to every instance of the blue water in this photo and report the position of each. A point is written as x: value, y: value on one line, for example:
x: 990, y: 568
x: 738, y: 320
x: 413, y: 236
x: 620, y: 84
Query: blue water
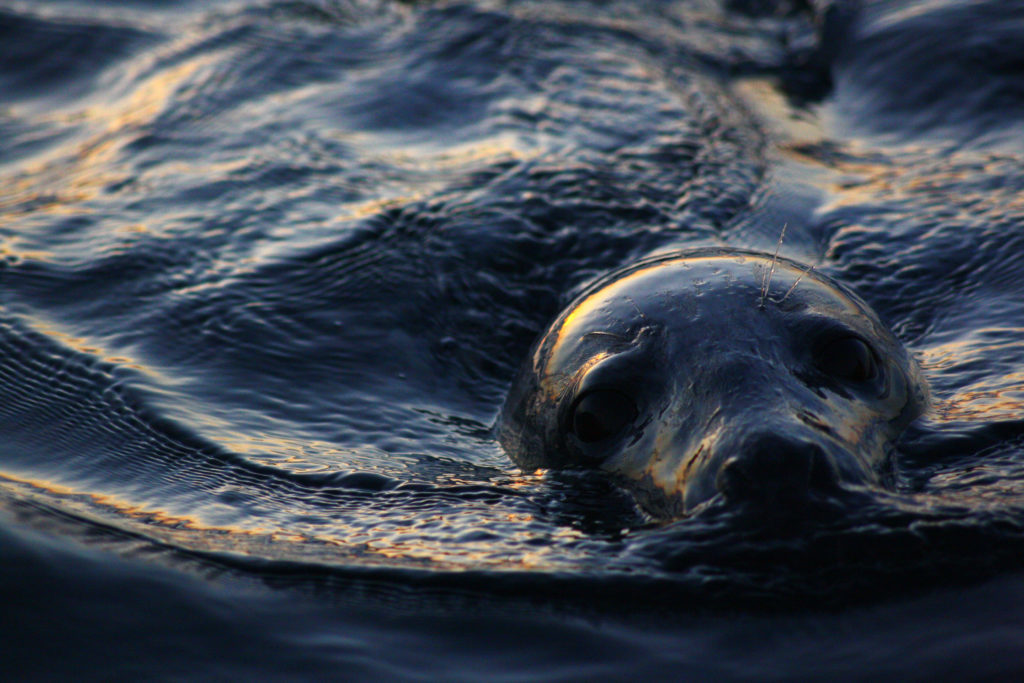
x: 268, y: 269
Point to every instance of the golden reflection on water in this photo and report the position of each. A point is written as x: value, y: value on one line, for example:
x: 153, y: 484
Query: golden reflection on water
x: 795, y: 125
x: 74, y: 172
x: 995, y: 396
x: 981, y: 404
x: 435, y: 540
x: 861, y: 177
x: 431, y: 158
x: 93, y: 348
x: 9, y: 251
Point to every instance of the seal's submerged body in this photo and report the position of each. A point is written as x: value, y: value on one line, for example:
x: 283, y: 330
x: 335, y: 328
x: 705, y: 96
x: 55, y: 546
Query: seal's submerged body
x: 715, y: 373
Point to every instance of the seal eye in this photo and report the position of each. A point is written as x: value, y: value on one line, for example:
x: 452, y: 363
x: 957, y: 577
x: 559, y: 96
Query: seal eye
x: 600, y: 414
x: 848, y: 358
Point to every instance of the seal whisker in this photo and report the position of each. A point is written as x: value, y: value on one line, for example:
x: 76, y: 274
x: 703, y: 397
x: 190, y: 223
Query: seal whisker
x: 636, y: 308
x: 795, y: 283
x: 609, y: 335
x: 766, y: 281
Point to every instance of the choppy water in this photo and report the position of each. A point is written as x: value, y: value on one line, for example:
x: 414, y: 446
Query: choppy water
x: 269, y: 267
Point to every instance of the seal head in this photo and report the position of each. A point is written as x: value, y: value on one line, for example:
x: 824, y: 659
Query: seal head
x: 715, y: 373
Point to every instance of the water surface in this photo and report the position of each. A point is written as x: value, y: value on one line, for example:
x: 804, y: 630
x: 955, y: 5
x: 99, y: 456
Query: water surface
x: 268, y: 269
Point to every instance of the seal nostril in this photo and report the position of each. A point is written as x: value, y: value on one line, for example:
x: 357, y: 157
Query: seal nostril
x: 772, y: 467
x: 733, y: 480
x: 823, y: 475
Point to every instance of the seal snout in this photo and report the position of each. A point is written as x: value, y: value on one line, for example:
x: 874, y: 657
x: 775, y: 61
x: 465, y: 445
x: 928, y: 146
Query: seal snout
x: 772, y: 468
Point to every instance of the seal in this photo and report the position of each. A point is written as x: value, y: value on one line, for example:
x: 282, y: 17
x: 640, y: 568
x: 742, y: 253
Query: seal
x: 716, y: 374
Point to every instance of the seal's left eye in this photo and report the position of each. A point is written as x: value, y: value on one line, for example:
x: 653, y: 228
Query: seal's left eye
x: 848, y: 358
x: 601, y: 414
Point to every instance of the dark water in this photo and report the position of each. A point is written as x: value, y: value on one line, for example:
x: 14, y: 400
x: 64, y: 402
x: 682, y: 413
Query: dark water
x: 269, y: 267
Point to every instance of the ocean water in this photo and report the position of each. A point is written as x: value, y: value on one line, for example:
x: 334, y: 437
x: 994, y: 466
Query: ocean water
x: 267, y: 270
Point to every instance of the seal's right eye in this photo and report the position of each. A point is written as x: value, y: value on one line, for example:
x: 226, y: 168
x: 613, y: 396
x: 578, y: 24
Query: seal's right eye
x: 600, y: 414
x: 848, y: 358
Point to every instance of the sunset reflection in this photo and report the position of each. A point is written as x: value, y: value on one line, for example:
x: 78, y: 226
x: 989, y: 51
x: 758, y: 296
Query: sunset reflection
x: 984, y: 392
x: 77, y: 171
